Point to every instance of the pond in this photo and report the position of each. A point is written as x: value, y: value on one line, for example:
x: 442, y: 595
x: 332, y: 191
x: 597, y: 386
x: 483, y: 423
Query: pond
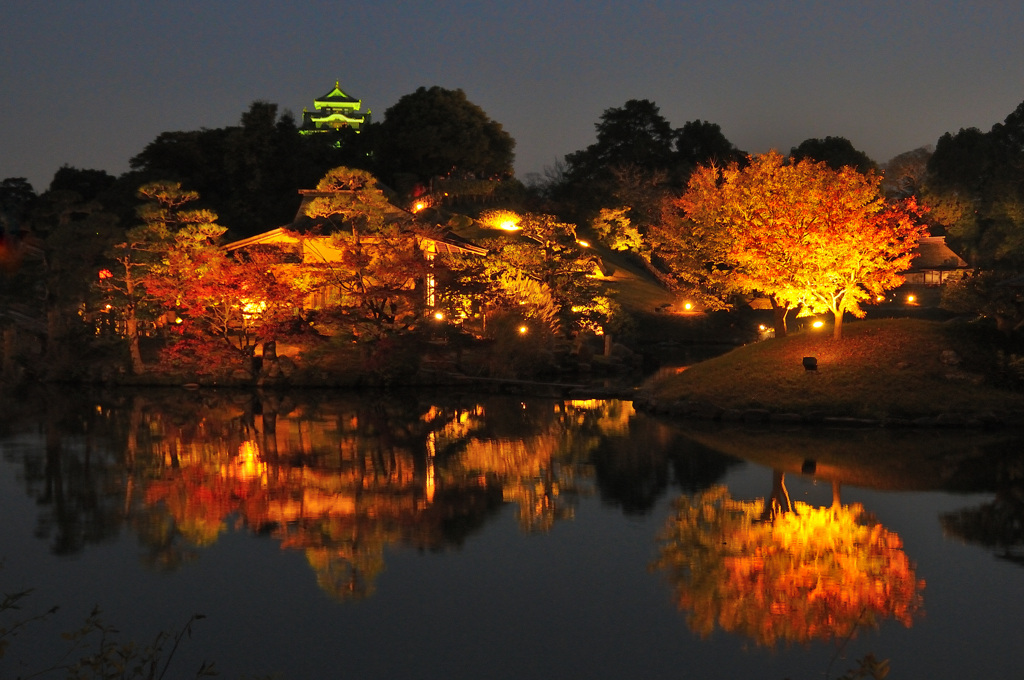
x: 368, y: 535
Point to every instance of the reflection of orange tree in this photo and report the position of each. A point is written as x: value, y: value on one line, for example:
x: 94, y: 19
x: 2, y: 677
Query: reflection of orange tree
x: 538, y: 460
x: 817, y: 573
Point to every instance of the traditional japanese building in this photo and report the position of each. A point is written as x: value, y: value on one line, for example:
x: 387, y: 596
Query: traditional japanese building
x: 334, y: 110
x: 935, y: 263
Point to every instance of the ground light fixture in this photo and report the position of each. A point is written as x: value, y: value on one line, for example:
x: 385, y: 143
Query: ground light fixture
x: 439, y: 316
x: 818, y: 324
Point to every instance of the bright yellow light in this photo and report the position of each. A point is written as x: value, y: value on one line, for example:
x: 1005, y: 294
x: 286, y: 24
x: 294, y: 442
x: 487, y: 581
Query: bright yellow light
x: 420, y: 205
x: 522, y: 330
x: 501, y: 219
x: 818, y: 324
x: 762, y: 328
x: 911, y: 299
x: 585, y: 244
x: 178, y: 319
x: 439, y: 316
x: 880, y: 298
x: 688, y: 306
x: 106, y: 306
x: 251, y: 308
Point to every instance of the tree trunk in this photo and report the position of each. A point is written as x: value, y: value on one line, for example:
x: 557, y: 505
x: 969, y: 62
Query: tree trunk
x: 779, y: 313
x: 837, y: 329
x: 131, y: 329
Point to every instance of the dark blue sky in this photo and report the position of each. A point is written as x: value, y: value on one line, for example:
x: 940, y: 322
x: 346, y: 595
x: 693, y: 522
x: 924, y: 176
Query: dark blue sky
x: 91, y: 82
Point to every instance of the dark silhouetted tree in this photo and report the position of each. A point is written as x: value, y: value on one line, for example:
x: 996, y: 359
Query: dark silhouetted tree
x: 837, y: 152
x: 434, y: 132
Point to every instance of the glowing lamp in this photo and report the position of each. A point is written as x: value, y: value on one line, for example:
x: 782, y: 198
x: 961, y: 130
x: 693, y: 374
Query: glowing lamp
x: 762, y: 328
x: 818, y: 324
x: 585, y: 244
x: 178, y: 319
x: 688, y: 306
x: 106, y: 274
x: 419, y: 206
x: 911, y: 299
x: 439, y: 316
x: 522, y: 330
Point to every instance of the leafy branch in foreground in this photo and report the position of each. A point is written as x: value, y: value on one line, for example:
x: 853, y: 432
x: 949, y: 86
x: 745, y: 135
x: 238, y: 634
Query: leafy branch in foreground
x: 95, y: 652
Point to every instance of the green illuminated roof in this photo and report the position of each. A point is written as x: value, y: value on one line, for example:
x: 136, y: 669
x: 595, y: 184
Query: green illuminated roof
x: 336, y: 98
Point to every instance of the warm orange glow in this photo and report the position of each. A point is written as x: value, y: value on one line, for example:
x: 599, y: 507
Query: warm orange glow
x: 105, y: 274
x: 810, y: 574
x: 585, y: 244
x: 818, y: 324
x: 178, y: 319
x: 688, y: 306
x: 880, y: 298
x: 505, y: 220
x: 439, y: 316
x: 523, y: 330
x: 762, y: 328
x: 911, y: 299
x: 420, y: 205
x: 251, y: 308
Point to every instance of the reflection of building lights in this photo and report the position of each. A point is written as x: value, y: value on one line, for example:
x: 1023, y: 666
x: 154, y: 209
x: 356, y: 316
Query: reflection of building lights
x: 248, y: 463
x: 818, y: 324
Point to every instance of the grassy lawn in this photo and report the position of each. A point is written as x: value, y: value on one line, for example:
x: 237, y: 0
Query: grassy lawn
x: 889, y: 367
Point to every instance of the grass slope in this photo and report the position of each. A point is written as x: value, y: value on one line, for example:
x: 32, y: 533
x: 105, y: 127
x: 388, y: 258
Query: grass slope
x: 890, y: 367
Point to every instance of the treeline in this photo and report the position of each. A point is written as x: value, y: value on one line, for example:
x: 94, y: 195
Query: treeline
x: 626, y: 190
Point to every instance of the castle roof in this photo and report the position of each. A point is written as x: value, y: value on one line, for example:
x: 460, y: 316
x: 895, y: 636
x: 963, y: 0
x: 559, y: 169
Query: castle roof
x: 337, y: 98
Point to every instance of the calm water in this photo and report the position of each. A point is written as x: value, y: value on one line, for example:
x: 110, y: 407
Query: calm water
x: 451, y: 536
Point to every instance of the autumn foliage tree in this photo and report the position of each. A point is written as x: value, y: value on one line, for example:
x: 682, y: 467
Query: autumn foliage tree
x: 804, y: 234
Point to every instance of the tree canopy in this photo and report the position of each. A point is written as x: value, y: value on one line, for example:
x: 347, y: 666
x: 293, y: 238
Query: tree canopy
x: 435, y: 132
x: 837, y: 152
x: 803, y: 234
x: 975, y: 186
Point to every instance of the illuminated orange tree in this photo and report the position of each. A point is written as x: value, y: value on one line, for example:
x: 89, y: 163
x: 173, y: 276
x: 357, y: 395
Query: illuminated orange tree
x: 803, y: 234
x: 812, y: 574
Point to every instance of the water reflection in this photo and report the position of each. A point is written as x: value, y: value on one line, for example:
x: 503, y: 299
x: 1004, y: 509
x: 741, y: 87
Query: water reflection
x: 778, y: 571
x: 999, y: 524
x: 338, y: 478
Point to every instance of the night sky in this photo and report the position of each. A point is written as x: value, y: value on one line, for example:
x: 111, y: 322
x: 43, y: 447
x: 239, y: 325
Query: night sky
x: 90, y: 83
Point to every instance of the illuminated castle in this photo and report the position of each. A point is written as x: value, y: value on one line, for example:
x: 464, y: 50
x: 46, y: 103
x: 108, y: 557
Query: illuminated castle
x: 334, y: 110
